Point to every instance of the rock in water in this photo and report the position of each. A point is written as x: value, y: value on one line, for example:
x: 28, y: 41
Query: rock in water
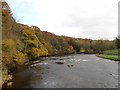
x: 59, y: 62
x: 70, y: 65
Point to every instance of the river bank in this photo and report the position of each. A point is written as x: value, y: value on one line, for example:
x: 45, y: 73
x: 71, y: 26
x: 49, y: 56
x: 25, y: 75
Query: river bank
x: 111, y: 57
x: 110, y: 54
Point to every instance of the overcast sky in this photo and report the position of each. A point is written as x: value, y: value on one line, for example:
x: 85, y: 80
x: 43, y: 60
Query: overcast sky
x: 92, y: 19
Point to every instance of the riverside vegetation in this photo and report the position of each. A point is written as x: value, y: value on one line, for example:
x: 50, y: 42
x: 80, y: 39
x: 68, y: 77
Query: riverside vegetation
x: 21, y: 43
x: 111, y: 54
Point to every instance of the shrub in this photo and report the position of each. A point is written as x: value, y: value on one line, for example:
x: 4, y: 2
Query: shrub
x: 36, y: 52
x: 19, y: 58
x: 8, y: 46
x: 31, y: 43
x: 82, y: 50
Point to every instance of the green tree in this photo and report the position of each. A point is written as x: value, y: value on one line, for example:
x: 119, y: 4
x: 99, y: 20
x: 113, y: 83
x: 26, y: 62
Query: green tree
x: 74, y: 44
x: 118, y: 41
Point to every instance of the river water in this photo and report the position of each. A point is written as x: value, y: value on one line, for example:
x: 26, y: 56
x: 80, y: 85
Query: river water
x: 77, y: 71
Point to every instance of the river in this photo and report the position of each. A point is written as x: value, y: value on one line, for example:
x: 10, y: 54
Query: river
x: 77, y: 71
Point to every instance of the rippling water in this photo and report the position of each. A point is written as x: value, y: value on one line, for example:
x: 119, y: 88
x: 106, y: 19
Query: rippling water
x: 76, y: 71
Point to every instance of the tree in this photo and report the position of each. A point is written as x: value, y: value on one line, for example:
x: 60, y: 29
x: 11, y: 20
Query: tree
x: 74, y: 44
x: 98, y: 46
x: 118, y: 42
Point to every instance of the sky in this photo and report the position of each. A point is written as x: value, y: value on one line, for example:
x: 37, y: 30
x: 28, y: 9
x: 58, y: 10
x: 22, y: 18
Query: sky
x: 94, y: 19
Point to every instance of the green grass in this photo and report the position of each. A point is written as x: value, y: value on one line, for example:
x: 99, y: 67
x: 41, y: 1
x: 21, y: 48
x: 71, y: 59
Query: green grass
x: 111, y: 52
x: 111, y: 57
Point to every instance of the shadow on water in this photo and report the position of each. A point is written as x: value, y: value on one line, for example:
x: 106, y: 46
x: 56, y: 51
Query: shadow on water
x: 24, y: 74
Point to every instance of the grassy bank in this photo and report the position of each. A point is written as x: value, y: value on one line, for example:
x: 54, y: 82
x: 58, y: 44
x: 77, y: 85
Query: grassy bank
x: 110, y: 54
x: 111, y: 57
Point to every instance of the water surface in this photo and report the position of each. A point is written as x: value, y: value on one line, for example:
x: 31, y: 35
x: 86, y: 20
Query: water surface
x: 87, y: 71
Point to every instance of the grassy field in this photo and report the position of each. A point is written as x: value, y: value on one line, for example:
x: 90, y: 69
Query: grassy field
x: 111, y: 57
x: 111, y: 54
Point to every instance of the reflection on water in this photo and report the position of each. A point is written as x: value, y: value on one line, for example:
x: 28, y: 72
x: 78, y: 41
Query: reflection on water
x: 78, y: 71
x: 38, y: 64
x: 84, y: 60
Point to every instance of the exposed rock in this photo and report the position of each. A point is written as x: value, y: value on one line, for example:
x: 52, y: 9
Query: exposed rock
x: 61, y: 59
x: 59, y: 62
x: 70, y: 65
